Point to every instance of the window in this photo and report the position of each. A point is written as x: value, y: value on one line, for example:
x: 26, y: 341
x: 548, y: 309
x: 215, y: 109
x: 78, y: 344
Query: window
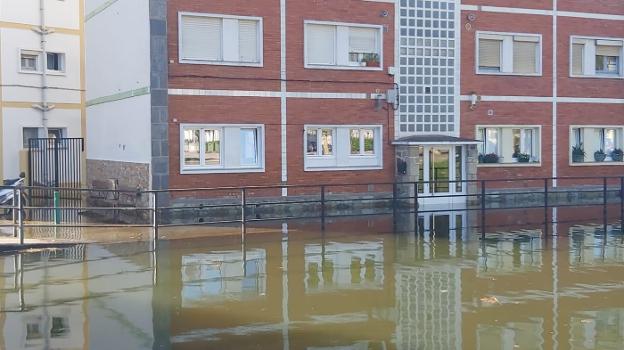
x: 29, y: 133
x: 221, y: 148
x: 509, y: 144
x: 344, y: 46
x: 30, y: 61
x: 322, y: 137
x: 55, y: 62
x: 598, y: 143
x: 342, y: 147
x: 60, y: 327
x: 509, y: 54
x: 362, y: 142
x: 596, y: 57
x: 56, y: 133
x: 220, y: 39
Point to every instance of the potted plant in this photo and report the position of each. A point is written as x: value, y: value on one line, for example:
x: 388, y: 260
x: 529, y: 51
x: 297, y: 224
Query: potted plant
x: 600, y: 155
x: 481, y: 158
x: 524, y: 158
x: 617, y: 155
x: 371, y: 60
x: 490, y: 158
x: 578, y: 154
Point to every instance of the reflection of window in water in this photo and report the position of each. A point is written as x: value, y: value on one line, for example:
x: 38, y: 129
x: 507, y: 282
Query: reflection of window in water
x: 512, y: 335
x: 33, y: 331
x: 602, y: 329
x: 522, y: 253
x: 210, y: 277
x: 60, y: 327
x: 344, y: 265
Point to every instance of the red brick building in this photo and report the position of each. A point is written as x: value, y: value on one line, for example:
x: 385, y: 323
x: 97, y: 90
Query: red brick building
x: 306, y: 92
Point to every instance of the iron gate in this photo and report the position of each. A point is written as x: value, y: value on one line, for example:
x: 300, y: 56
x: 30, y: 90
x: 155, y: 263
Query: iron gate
x: 55, y: 162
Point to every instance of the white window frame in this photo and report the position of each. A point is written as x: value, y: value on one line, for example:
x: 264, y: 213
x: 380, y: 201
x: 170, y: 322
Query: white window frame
x: 587, y: 55
x: 319, y: 137
x: 41, y: 62
x: 362, y: 151
x: 260, y: 40
x: 307, y: 65
x: 589, y: 154
x: 507, y: 52
x: 341, y: 157
x: 536, y: 146
x: 63, y: 63
x: 225, y: 143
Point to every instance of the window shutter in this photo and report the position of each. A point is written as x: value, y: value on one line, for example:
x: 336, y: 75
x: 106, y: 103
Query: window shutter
x: 321, y: 44
x: 490, y: 53
x: 363, y: 40
x: 525, y: 57
x: 248, y: 41
x: 201, y: 38
x: 578, y: 53
x: 602, y: 50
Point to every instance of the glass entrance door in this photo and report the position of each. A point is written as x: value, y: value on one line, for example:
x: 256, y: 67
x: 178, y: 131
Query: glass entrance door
x: 442, y: 169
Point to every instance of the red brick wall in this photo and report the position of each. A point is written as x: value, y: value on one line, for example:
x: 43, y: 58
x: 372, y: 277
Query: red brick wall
x: 206, y: 109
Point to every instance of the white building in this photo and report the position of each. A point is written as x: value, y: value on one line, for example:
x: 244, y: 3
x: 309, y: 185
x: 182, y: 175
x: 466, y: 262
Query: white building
x: 42, y: 84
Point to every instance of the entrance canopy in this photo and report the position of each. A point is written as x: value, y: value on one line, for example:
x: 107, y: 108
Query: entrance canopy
x: 434, y: 140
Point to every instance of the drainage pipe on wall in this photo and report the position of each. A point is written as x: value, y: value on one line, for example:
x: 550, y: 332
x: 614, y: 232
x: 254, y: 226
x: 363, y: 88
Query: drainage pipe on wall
x: 43, y: 32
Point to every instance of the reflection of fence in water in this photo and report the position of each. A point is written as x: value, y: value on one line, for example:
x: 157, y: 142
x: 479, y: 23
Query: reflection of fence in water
x: 42, y: 206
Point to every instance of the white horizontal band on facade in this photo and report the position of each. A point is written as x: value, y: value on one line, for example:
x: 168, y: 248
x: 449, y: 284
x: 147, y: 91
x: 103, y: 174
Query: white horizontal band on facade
x: 546, y: 99
x: 273, y: 94
x: 525, y: 11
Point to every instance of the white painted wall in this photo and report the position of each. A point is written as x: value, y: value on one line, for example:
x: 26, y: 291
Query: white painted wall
x: 14, y: 40
x: 118, y: 60
x: 15, y: 119
x: 60, y: 13
x: 120, y: 130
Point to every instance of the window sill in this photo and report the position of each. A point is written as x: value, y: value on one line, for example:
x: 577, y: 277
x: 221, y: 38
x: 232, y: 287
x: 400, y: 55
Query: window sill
x: 359, y: 68
x: 509, y: 165
x: 597, y: 76
x: 36, y: 72
x: 609, y: 163
x: 203, y: 171
x: 223, y: 63
x: 353, y: 168
x: 56, y: 73
x: 510, y: 74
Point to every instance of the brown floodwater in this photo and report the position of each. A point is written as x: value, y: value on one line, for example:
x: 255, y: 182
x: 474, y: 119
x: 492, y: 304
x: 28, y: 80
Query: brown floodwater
x: 353, y: 287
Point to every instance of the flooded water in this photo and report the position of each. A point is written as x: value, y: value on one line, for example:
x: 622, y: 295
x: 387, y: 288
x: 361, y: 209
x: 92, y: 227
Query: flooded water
x: 296, y: 288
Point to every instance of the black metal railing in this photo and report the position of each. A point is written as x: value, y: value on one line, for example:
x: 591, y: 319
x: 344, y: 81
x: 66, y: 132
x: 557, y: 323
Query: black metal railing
x: 155, y: 209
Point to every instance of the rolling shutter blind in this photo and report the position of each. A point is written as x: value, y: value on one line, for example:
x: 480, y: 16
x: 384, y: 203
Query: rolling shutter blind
x: 201, y: 38
x: 525, y: 57
x: 578, y: 52
x: 608, y: 50
x: 489, y: 53
x: 321, y: 44
x: 248, y: 41
x: 363, y: 40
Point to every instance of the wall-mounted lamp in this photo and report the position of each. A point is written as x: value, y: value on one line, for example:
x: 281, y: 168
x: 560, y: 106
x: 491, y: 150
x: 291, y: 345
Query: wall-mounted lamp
x: 474, y: 100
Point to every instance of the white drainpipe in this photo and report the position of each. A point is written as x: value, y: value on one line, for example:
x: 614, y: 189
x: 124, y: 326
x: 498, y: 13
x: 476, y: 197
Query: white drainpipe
x: 43, y: 31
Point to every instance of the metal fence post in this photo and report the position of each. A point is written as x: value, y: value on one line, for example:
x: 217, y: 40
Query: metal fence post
x: 155, y: 217
x: 605, y: 210
x: 243, y: 212
x: 545, y: 207
x: 394, y: 205
x: 14, y: 212
x: 483, y: 209
x: 416, y: 228
x: 323, y: 208
x: 20, y: 217
x: 622, y: 204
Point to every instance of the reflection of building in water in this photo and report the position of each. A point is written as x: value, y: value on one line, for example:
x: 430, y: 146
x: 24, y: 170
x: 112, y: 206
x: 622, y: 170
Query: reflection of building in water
x: 43, y: 322
x: 521, y: 253
x: 428, y: 303
x: 344, y: 266
x: 588, y: 249
x: 214, y: 276
x: 512, y: 335
x: 602, y: 329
